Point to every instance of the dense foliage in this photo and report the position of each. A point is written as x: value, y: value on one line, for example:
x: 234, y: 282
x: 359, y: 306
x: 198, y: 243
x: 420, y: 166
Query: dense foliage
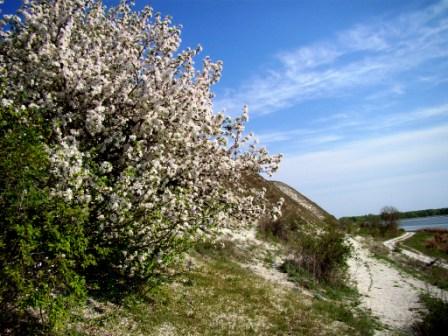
x: 42, y: 240
x: 113, y: 156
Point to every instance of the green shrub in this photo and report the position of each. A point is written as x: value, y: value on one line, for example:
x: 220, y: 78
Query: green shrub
x: 42, y: 243
x: 323, y: 255
x: 111, y: 154
x: 283, y: 226
x: 132, y: 131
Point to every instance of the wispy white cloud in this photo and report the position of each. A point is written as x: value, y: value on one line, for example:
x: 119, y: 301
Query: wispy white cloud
x: 364, y: 55
x: 333, y: 117
x: 433, y: 80
x: 394, y: 90
x: 402, y: 118
x: 287, y: 135
x: 309, y: 57
x: 336, y: 126
x: 323, y: 139
x: 371, y: 151
x: 303, y: 136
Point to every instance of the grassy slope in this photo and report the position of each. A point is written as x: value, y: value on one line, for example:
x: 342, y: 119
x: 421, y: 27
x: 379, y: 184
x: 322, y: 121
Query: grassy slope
x: 369, y: 232
x: 290, y: 207
x: 220, y: 297
x: 434, y: 320
x: 217, y: 295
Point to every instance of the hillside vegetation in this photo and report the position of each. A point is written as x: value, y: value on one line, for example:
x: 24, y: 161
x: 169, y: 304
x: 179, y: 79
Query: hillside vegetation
x: 130, y: 207
x: 238, y: 285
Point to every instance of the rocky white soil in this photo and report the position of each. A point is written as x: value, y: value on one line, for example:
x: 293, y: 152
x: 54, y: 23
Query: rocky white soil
x: 300, y: 199
x: 246, y: 239
x: 391, y: 295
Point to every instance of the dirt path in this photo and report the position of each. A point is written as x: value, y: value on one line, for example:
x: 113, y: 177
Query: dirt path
x: 390, y: 244
x: 414, y: 254
x: 392, y: 296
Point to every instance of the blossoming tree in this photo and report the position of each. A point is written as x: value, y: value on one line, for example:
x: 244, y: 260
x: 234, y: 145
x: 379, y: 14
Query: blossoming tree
x: 131, y: 133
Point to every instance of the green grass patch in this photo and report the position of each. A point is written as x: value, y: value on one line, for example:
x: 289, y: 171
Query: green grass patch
x: 349, y: 313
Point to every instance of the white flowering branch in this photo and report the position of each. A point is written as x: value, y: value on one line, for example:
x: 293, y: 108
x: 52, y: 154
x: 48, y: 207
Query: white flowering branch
x: 134, y: 136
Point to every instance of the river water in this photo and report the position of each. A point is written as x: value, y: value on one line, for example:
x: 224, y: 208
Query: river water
x: 435, y: 222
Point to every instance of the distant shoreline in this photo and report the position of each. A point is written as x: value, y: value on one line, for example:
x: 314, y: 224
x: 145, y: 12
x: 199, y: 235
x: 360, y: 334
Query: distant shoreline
x: 415, y: 224
x: 405, y: 214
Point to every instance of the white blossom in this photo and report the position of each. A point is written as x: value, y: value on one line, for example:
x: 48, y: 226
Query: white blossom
x: 134, y: 134
x: 106, y: 167
x: 6, y: 102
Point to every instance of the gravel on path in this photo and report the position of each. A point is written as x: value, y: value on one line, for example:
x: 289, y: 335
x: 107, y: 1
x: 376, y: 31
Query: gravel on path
x: 391, y: 295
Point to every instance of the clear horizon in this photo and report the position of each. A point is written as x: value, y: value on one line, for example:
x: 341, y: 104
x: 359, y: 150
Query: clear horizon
x: 352, y: 93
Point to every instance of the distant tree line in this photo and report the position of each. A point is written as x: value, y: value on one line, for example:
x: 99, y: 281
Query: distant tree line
x: 424, y: 213
x: 386, y: 224
x: 402, y: 215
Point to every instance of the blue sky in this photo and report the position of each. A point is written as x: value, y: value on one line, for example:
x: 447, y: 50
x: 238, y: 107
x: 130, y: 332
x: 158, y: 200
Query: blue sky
x: 353, y: 93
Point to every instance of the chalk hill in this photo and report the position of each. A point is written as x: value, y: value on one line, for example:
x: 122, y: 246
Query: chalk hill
x: 297, y: 207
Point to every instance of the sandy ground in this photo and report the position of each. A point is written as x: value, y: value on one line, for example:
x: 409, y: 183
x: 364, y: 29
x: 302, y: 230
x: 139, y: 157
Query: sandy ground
x: 392, y: 296
x: 246, y: 238
x: 390, y: 244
